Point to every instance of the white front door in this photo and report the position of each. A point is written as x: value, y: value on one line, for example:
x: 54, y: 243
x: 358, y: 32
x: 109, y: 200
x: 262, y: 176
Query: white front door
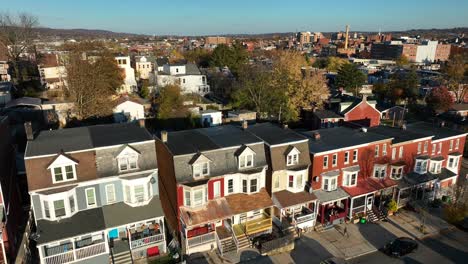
x: 370, y: 201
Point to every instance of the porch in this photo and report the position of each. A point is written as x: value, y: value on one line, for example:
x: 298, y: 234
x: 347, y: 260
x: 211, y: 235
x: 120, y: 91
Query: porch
x: 334, y: 212
x: 258, y: 224
x: 301, y: 217
x: 76, y: 249
x: 146, y: 234
x: 199, y: 239
x: 361, y: 205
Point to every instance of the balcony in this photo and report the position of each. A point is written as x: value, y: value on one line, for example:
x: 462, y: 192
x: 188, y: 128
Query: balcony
x: 77, y: 254
x: 251, y: 227
x: 201, y: 239
x: 146, y: 235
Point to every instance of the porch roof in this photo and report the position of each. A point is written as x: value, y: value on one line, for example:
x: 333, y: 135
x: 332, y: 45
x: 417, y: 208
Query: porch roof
x: 83, y: 222
x: 382, y: 184
x: 445, y: 174
x: 215, y: 210
x: 325, y: 196
x: 242, y: 203
x: 286, y: 198
x: 363, y: 186
x: 415, y: 179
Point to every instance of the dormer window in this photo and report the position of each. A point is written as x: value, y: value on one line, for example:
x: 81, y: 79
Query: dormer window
x: 420, y: 166
x: 397, y: 172
x: 293, y: 157
x: 380, y: 171
x: 435, y: 166
x: 201, y: 169
x: 329, y: 183
x: 63, y: 169
x: 128, y: 159
x: 58, y: 205
x: 246, y: 158
x: 350, y: 179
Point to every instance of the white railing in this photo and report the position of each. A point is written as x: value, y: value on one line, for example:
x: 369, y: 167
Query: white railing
x: 60, y: 258
x: 305, y: 218
x: 200, y: 240
x: 358, y: 209
x: 220, y: 245
x: 90, y: 250
x: 235, y: 239
x: 146, y: 241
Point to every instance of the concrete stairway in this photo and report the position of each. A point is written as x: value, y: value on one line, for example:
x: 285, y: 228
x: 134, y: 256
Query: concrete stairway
x: 121, y: 258
x: 375, y: 215
x: 228, y: 245
x: 243, y: 241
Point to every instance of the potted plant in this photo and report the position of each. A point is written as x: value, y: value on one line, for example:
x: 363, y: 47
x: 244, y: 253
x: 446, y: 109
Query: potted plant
x: 392, y: 207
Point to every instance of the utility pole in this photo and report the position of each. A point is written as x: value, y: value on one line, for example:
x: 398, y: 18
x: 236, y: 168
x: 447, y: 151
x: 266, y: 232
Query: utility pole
x: 279, y: 115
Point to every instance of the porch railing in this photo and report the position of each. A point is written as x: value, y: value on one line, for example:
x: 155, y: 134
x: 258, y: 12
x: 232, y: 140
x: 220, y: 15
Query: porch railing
x: 146, y: 241
x: 255, y: 226
x: 60, y: 258
x: 358, y: 209
x: 90, y: 250
x: 220, y: 245
x: 200, y: 240
x: 305, y: 218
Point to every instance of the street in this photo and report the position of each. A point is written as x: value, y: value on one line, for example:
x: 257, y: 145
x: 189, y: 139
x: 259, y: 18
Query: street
x: 451, y: 247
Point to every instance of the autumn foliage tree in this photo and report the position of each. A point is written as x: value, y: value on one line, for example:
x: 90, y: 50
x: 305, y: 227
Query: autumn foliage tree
x: 91, y: 84
x: 170, y: 102
x: 439, y: 99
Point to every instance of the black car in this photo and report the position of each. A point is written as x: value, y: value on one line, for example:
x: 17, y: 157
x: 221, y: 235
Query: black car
x: 400, y: 247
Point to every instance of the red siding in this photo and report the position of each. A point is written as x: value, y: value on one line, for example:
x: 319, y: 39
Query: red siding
x: 362, y: 112
x: 211, y: 188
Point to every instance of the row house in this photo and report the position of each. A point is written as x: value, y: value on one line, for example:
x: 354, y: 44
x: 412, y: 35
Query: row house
x: 94, y: 194
x: 213, y: 187
x: 349, y: 173
x: 425, y: 160
x: 288, y: 169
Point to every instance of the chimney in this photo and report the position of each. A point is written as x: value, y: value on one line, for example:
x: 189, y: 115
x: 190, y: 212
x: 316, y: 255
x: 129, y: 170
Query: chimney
x: 164, y: 136
x: 245, y: 125
x: 346, y: 37
x: 29, y: 131
x: 316, y: 135
x: 141, y: 122
x: 364, y: 97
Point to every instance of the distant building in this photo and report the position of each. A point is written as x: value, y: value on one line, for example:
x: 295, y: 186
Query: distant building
x: 128, y: 109
x: 4, y: 75
x: 214, y: 41
x: 426, y: 52
x: 210, y: 118
x: 443, y: 52
x: 130, y: 85
x: 304, y: 37
x: 144, y: 67
x: 187, y: 76
x: 6, y: 89
x: 52, y: 72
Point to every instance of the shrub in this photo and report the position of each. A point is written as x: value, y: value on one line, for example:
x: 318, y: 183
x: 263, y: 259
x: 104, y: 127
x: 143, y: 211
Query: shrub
x: 392, y: 206
x: 454, y: 213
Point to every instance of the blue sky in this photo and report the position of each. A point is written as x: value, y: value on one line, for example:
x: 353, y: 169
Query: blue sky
x: 206, y: 17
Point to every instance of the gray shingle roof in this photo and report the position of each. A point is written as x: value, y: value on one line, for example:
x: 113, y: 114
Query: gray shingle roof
x: 203, y: 139
x: 429, y: 129
x: 274, y: 135
x: 80, y: 138
x: 340, y: 137
x: 396, y: 133
x: 322, y: 114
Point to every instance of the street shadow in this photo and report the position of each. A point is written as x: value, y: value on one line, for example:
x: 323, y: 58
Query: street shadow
x: 308, y: 250
x: 375, y: 234
x: 408, y: 260
x: 448, y: 251
x: 250, y: 256
x: 196, y: 258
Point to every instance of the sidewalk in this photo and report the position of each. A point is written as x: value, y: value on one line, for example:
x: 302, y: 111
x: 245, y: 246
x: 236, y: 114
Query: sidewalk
x: 411, y: 222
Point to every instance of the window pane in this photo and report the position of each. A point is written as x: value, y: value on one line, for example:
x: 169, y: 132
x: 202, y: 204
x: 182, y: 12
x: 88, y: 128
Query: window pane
x: 291, y: 181
x: 242, y: 162
x: 205, y: 168
x: 132, y: 162
x: 198, y: 197
x: 139, y: 193
x: 128, y: 196
x: 187, y: 198
x: 230, y: 186
x: 249, y: 160
x: 123, y: 164
x: 244, y: 186
x: 46, y: 209
x: 59, y: 207
x: 71, y: 200
x: 69, y: 172
x: 299, y: 181
x: 91, y: 197
x: 110, y: 193
x: 253, y: 185
x: 58, y: 174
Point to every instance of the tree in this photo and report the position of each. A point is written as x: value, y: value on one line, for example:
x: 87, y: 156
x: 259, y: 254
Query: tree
x: 175, y: 56
x: 233, y: 57
x: 402, y: 61
x: 170, y: 102
x: 403, y: 85
x: 335, y: 63
x: 439, y: 100
x: 350, y: 77
x: 254, y: 90
x: 16, y: 36
x: 91, y: 84
x: 144, y: 91
x: 199, y: 56
x: 456, y: 72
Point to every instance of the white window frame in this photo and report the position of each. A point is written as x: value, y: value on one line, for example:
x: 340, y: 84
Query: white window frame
x: 329, y: 180
x: 381, y: 171
x: 350, y: 178
x: 192, y: 190
x: 49, y: 201
x: 394, y: 153
x: 433, y: 150
x: 377, y: 151
x: 64, y: 173
x: 232, y: 190
x: 419, y: 147
x: 346, y: 157
x: 384, y: 149
x: 396, y: 172
x: 298, y: 181
x: 355, y: 155
x: 292, y: 159
x: 125, y: 159
x: 335, y: 160
x: 426, y: 145
x: 325, y: 161
x: 435, y: 166
x: 422, y: 167
x: 216, y: 189
x: 131, y: 185
x: 457, y: 144
x: 451, y: 145
x: 243, y: 160
x: 401, y: 152
x: 87, y: 200
x: 108, y: 187
x: 197, y: 169
x: 440, y: 148
x: 455, y: 163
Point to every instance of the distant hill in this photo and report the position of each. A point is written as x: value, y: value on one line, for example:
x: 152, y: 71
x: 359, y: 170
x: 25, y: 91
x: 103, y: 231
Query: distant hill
x: 82, y: 33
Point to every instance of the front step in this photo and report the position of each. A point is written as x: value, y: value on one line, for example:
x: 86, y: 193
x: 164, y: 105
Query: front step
x: 228, y: 245
x: 243, y: 242
x: 121, y: 258
x: 375, y: 215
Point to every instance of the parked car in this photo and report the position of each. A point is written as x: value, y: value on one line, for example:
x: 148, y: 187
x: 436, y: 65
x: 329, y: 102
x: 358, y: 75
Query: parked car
x: 400, y: 247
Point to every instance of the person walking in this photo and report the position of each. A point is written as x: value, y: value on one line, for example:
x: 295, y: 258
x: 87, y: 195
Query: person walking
x: 345, y: 231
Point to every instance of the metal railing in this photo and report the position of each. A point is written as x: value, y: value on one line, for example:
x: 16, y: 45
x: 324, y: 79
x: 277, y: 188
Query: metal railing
x: 305, y: 218
x: 146, y: 240
x: 90, y: 250
x: 200, y: 240
x: 220, y: 245
x: 60, y: 258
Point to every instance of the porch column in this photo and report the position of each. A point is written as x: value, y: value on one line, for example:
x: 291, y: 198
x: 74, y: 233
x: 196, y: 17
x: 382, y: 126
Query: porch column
x: 106, y: 242
x: 322, y: 217
x: 346, y: 205
x: 351, y: 209
x: 74, y: 248
x: 40, y: 249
